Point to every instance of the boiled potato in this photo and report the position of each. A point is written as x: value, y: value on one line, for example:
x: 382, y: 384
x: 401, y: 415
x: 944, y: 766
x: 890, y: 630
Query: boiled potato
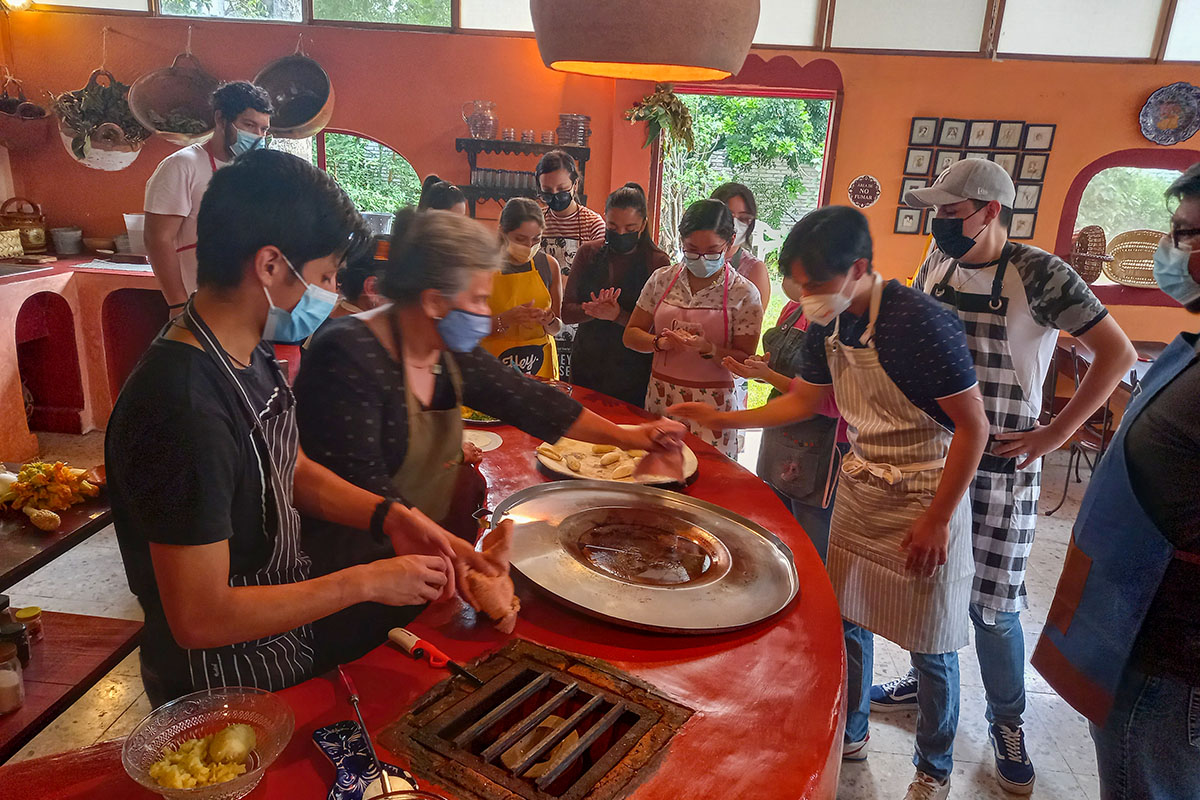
x: 232, y: 743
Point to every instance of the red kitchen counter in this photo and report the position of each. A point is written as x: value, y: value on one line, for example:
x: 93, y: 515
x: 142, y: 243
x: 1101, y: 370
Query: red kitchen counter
x: 769, y: 699
x: 75, y: 334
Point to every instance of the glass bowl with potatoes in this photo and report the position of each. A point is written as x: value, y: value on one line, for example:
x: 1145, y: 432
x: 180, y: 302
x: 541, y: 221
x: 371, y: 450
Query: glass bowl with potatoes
x: 213, y: 744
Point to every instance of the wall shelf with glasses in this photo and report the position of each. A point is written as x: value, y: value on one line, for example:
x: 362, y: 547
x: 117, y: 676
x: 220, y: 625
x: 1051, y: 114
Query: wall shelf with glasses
x: 501, y: 185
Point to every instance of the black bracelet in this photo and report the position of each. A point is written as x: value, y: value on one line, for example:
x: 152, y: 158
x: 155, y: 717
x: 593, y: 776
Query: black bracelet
x: 174, y: 306
x: 380, y: 514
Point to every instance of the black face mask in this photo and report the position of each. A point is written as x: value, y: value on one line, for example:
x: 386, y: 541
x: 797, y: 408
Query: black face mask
x: 621, y: 242
x: 558, y: 201
x: 948, y: 233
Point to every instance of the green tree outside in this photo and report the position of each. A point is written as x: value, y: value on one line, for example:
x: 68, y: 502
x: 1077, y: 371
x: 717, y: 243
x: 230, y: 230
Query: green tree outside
x: 399, y: 12
x: 750, y: 133
x: 1120, y: 199
x: 376, y: 178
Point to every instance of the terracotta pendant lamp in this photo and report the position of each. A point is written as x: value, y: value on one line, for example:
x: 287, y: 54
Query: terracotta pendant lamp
x: 658, y: 40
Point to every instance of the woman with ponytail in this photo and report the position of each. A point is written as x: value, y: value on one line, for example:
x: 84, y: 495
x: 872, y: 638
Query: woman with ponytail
x: 442, y: 195
x: 602, y: 291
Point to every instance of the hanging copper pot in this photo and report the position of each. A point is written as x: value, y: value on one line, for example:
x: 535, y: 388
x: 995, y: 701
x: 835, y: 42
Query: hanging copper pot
x: 176, y: 102
x: 302, y: 94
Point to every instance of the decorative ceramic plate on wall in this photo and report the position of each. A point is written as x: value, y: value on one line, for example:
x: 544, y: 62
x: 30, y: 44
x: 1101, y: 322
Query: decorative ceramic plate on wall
x: 1172, y: 114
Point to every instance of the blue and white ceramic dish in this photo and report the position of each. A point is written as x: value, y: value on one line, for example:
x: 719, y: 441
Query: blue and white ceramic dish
x: 343, y: 743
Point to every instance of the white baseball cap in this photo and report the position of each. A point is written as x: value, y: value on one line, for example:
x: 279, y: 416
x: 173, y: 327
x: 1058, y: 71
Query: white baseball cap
x: 967, y: 179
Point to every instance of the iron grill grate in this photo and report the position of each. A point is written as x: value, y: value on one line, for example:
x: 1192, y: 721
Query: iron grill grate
x: 545, y: 725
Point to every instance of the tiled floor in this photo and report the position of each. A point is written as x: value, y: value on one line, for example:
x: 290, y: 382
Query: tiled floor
x: 90, y: 579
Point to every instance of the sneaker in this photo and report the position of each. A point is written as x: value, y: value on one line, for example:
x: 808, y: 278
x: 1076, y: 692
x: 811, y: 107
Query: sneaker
x: 855, y: 751
x: 1014, y: 771
x: 897, y: 695
x: 927, y: 787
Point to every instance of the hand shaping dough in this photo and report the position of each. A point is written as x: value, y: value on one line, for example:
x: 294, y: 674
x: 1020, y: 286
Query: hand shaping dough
x: 494, y: 595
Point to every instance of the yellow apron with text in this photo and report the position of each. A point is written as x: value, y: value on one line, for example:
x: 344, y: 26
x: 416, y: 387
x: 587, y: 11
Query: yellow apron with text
x: 527, y: 348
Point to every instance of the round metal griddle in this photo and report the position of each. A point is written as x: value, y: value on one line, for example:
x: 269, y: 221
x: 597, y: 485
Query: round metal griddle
x: 647, y: 557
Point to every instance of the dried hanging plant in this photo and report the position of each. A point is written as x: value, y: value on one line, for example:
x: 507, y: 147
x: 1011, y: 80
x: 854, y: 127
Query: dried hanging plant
x: 663, y: 111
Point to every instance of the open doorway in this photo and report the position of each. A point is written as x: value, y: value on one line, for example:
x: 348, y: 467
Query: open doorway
x: 775, y: 145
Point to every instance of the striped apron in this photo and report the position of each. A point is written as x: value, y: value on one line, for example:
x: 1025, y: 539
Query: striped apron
x: 285, y: 659
x: 888, y: 480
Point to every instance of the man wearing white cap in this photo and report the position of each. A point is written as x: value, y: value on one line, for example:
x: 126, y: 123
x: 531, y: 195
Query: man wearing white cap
x: 1013, y: 299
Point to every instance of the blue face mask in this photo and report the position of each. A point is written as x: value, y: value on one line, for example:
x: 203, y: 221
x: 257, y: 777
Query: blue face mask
x: 245, y: 142
x: 1171, y: 272
x: 302, y: 321
x: 704, y: 266
x: 461, y: 331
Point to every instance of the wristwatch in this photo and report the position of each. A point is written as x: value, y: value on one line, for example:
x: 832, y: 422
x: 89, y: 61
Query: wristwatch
x: 380, y: 514
x: 658, y: 339
x: 710, y: 354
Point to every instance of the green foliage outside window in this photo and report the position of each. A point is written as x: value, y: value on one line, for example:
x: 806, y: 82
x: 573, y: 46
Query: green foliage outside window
x: 747, y: 134
x: 399, y: 12
x: 1120, y: 199
x: 376, y: 178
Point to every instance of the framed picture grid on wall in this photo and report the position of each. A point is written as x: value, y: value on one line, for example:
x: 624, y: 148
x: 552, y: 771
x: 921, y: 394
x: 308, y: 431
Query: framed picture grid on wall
x: 1020, y: 148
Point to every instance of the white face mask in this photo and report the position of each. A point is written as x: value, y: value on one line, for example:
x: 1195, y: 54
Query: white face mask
x: 822, y: 309
x: 739, y: 232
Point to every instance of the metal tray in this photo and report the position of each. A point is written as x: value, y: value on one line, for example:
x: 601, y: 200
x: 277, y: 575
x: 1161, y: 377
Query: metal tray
x: 648, y: 558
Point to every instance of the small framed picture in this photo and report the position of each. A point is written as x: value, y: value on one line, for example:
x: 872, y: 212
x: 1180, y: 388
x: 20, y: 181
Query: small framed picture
x: 929, y: 224
x: 1039, y: 137
x: 923, y: 131
x: 919, y: 161
x: 1033, y: 167
x: 981, y: 133
x: 1008, y: 134
x: 1022, y: 225
x: 908, y: 184
x: 943, y: 159
x: 980, y: 155
x: 1008, y: 161
x: 1028, y: 195
x: 953, y: 133
x: 908, y: 220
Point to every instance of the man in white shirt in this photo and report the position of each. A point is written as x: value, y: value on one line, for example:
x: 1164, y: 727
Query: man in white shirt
x: 242, y: 112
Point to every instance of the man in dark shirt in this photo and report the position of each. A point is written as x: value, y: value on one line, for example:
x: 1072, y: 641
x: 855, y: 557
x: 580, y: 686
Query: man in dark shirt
x: 1122, y: 641
x: 204, y: 468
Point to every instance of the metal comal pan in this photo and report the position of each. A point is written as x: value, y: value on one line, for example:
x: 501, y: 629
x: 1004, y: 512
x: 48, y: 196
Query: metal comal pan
x: 648, y: 558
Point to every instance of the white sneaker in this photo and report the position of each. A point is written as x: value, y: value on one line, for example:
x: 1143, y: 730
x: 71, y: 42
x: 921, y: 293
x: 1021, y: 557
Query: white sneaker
x: 926, y: 787
x: 855, y: 751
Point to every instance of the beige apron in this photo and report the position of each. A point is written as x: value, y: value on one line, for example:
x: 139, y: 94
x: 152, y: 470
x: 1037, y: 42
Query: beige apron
x: 888, y: 480
x: 428, y: 476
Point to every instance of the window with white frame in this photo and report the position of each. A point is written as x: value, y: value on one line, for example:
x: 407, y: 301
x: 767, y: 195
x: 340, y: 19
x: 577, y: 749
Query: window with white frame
x: 1106, y: 28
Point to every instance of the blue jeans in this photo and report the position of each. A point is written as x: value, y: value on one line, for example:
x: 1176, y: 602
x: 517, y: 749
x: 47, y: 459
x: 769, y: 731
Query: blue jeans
x: 937, y: 700
x: 1149, y: 749
x: 1001, y: 648
x: 814, y: 520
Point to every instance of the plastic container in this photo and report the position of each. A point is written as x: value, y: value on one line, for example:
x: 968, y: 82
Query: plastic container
x: 31, y: 618
x: 67, y: 241
x: 12, y: 683
x: 135, y: 224
x: 16, y: 634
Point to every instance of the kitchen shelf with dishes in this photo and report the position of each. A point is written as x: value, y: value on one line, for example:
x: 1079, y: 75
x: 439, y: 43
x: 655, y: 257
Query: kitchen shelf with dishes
x: 503, y: 184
